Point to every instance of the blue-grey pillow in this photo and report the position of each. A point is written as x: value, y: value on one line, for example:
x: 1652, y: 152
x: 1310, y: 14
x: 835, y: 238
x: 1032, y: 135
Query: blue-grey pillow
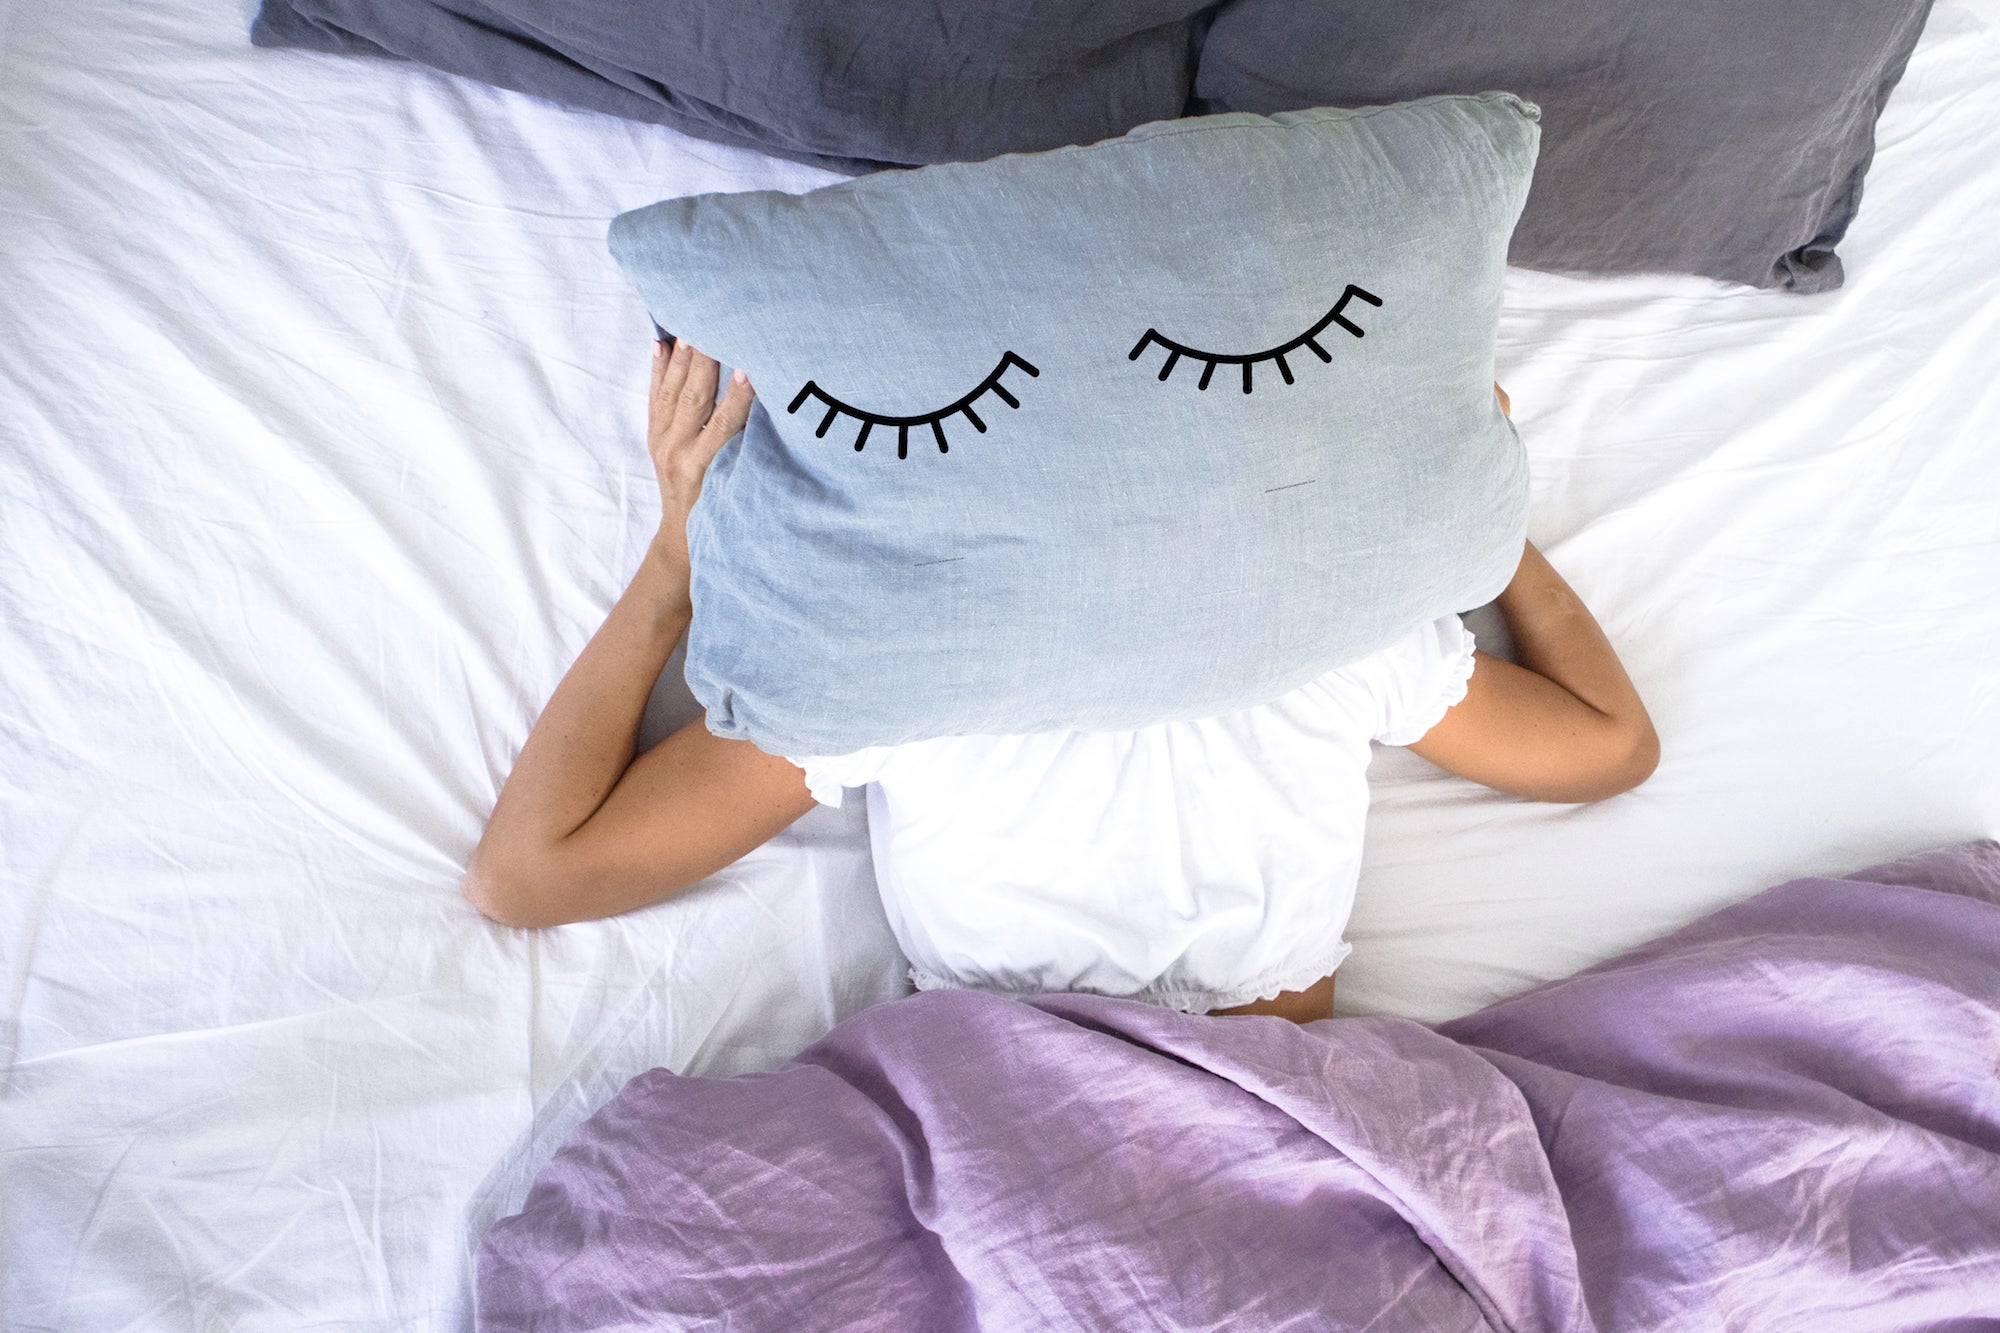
x: 1150, y: 429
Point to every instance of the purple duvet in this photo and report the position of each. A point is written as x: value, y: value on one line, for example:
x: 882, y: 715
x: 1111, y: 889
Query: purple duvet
x: 1784, y: 1116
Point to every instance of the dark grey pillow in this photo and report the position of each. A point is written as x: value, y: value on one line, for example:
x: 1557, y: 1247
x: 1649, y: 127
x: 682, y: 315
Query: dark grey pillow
x: 853, y: 86
x: 1726, y: 138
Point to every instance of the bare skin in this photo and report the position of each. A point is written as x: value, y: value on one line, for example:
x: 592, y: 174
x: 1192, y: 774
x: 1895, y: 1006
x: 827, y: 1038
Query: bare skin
x: 1301, y: 1006
x: 583, y: 830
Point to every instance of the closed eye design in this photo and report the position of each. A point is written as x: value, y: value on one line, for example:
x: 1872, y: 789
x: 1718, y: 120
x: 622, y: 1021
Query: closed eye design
x: 935, y: 420
x: 1175, y: 351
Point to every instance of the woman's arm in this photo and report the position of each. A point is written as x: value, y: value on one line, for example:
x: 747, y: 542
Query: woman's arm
x: 580, y: 830
x: 584, y: 739
x: 1566, y: 723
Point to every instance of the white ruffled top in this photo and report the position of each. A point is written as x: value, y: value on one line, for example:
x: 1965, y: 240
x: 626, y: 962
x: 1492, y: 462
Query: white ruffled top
x: 1197, y: 864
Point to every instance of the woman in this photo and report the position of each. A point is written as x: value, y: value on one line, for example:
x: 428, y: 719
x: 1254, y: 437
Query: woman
x: 1241, y: 913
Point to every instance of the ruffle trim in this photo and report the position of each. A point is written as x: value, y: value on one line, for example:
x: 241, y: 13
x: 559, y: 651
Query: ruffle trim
x: 1455, y: 688
x: 825, y: 788
x: 1184, y: 999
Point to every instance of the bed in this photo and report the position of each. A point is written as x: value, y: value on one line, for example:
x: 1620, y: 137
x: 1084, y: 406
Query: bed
x: 321, y: 405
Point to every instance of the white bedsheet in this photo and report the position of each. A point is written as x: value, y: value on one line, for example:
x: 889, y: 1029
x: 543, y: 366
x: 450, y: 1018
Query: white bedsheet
x: 320, y: 460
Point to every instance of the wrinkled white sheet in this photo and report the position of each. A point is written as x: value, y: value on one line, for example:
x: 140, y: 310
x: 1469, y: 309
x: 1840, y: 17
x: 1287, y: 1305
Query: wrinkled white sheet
x: 320, y: 460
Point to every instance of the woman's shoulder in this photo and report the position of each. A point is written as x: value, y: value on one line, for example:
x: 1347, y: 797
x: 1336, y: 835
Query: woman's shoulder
x: 1420, y: 673
x: 1434, y: 643
x: 940, y: 763
x: 1443, y: 639
x: 1402, y: 678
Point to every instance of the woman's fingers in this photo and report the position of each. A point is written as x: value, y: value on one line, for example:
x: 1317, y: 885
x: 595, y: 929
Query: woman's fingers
x: 730, y: 415
x: 689, y: 425
x: 684, y: 391
x: 693, y: 457
x: 673, y: 375
x: 697, y: 395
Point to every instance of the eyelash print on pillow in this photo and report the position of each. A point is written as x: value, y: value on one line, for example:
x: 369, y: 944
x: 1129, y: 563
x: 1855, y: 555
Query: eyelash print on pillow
x: 935, y: 420
x: 1175, y: 351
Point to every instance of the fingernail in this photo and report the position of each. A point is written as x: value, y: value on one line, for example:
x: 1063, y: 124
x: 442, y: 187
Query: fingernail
x: 659, y: 350
x: 738, y: 377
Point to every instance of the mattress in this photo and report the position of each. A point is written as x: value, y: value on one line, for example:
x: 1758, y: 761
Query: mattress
x: 321, y: 458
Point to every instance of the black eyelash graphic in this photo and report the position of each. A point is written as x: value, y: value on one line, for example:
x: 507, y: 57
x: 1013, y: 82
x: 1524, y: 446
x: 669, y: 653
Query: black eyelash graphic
x: 1175, y: 351
x: 870, y: 420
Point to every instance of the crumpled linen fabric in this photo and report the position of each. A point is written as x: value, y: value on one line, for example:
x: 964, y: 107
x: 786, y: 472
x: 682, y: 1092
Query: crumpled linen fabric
x: 1783, y: 1116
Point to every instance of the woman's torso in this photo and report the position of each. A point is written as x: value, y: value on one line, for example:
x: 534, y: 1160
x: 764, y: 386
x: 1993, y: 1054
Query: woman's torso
x: 1198, y: 864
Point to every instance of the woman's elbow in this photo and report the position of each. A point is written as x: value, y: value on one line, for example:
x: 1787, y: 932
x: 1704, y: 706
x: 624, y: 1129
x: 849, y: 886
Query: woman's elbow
x: 1646, y: 756
x: 491, y: 901
x: 504, y: 899
x: 1632, y: 754
x: 1611, y: 760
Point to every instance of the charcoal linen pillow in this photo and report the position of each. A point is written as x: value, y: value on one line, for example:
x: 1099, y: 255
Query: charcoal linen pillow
x: 1715, y: 137
x: 1150, y: 429
x: 853, y: 86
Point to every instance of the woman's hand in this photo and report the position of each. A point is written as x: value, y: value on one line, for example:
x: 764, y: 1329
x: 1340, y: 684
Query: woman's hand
x: 685, y: 429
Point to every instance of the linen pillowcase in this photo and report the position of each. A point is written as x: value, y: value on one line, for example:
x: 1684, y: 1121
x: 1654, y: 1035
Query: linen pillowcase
x: 1714, y: 137
x: 1150, y: 429
x: 848, y: 85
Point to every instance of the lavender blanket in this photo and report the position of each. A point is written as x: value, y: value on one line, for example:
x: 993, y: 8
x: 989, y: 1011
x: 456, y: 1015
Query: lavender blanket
x: 1784, y: 1116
